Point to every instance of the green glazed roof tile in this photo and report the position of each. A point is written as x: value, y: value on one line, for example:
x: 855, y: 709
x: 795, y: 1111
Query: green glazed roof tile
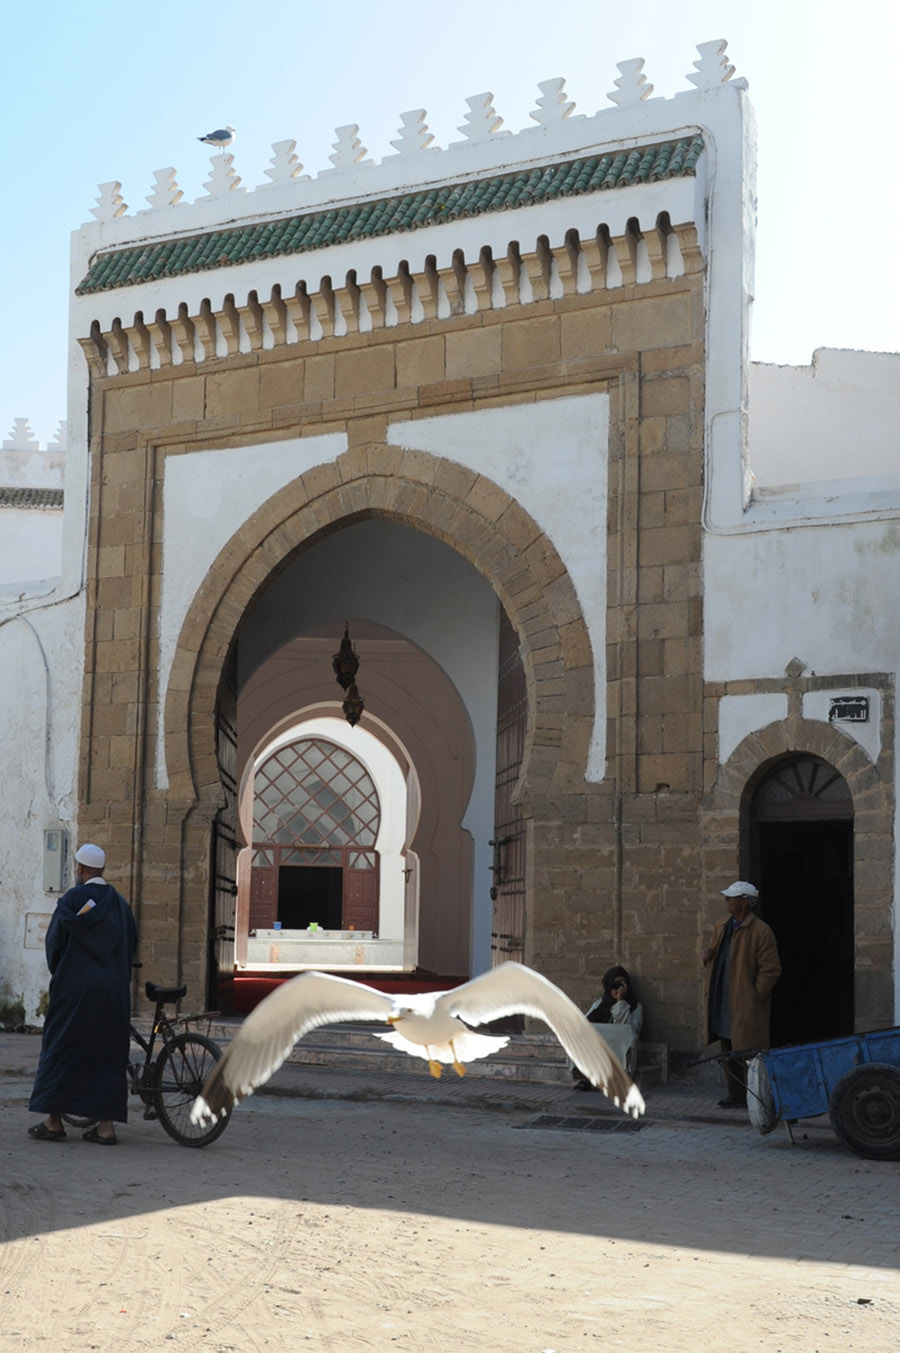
x: 387, y: 216
x: 20, y: 497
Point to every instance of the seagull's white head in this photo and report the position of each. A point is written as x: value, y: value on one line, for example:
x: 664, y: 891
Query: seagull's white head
x: 415, y: 1005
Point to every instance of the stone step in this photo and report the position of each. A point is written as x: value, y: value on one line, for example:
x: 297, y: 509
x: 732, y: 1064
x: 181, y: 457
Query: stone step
x: 526, y: 1057
x: 530, y: 1057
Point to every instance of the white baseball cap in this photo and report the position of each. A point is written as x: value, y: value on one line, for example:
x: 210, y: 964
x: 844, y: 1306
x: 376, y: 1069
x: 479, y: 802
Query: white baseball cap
x: 91, y: 856
x: 736, y: 890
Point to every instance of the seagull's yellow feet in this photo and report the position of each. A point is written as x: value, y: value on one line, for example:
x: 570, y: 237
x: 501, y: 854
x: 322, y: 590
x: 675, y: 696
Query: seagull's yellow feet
x: 457, y: 1065
x: 435, y: 1068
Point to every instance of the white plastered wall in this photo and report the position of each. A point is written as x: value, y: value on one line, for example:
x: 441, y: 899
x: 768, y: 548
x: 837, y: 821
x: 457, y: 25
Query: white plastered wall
x: 207, y: 496
x: 552, y: 458
x: 30, y: 550
x: 808, y: 569
x: 831, y: 426
x: 41, y: 676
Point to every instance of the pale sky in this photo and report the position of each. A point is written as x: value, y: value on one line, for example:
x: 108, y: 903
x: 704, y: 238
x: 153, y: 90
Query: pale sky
x: 111, y: 91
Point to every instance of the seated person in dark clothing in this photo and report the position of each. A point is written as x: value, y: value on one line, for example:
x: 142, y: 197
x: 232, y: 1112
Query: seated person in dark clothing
x: 618, y: 1007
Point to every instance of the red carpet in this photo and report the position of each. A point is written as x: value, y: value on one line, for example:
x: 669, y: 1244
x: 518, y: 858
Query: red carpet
x: 238, y: 995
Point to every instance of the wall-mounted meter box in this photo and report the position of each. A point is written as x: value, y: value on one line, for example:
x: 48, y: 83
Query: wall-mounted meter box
x: 56, y: 858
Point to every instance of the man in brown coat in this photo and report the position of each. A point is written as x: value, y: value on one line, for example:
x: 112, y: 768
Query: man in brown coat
x: 743, y: 966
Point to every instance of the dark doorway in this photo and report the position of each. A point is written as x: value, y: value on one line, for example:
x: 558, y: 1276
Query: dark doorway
x: 804, y: 861
x: 508, y: 890
x: 309, y: 893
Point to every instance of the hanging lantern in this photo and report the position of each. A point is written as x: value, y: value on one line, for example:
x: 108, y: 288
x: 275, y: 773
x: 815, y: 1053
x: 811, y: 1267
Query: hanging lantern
x: 353, y: 706
x: 345, y: 662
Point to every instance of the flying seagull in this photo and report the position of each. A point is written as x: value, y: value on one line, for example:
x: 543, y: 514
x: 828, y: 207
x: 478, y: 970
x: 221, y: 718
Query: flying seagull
x: 222, y: 138
x: 431, y: 1025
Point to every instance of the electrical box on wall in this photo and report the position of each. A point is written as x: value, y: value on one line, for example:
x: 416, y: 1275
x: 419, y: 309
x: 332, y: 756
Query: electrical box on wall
x: 56, y: 852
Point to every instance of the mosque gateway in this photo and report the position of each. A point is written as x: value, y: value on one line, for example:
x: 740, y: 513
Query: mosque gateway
x: 467, y: 428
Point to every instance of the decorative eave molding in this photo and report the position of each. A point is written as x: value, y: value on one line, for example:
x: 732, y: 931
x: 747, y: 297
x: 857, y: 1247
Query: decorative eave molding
x: 359, y: 304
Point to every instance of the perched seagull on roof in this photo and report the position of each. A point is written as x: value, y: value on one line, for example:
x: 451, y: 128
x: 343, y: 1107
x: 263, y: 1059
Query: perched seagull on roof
x: 431, y: 1025
x: 222, y: 138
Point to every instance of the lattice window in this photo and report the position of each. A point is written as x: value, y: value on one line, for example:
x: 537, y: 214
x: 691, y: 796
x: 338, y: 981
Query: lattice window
x: 803, y: 787
x: 314, y: 795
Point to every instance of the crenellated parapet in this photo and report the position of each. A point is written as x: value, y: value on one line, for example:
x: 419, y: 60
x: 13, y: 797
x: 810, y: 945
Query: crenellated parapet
x: 26, y: 465
x: 482, y: 126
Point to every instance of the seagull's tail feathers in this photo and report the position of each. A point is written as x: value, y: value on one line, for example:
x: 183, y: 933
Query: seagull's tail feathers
x: 467, y: 1046
x: 471, y: 1046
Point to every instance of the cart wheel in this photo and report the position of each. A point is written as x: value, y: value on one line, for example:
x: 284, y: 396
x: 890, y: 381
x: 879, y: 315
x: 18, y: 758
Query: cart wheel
x: 865, y: 1110
x: 760, y: 1099
x: 182, y: 1070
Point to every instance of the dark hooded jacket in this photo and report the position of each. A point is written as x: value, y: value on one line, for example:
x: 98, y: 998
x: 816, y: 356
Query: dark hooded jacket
x: 84, y: 1055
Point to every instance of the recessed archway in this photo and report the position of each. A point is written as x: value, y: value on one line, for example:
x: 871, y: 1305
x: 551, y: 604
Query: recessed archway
x: 871, y: 794
x: 482, y: 526
x: 801, y: 847
x: 468, y: 512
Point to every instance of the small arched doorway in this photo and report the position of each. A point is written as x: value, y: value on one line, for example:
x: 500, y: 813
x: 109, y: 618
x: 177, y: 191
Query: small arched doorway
x: 801, y: 851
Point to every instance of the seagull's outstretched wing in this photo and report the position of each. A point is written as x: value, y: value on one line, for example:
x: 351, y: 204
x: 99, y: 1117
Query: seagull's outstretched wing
x: 513, y: 989
x: 271, y: 1030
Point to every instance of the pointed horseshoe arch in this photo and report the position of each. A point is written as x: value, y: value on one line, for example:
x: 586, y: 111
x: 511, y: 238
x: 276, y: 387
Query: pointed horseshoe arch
x: 466, y: 511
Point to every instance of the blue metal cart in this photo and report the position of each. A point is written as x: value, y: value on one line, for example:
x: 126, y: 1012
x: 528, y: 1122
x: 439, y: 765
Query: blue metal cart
x: 855, y: 1080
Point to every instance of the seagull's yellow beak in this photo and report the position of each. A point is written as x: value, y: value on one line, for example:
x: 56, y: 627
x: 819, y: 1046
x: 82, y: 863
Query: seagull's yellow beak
x: 392, y: 1019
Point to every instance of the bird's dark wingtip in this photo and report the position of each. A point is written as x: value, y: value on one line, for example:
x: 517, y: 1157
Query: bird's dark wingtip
x: 212, y: 1104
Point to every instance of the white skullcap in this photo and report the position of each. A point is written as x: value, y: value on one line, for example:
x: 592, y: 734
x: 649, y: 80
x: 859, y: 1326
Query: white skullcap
x: 736, y: 890
x: 91, y: 856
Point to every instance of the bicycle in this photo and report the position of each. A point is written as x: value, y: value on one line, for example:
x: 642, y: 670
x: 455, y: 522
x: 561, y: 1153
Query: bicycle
x: 168, y: 1084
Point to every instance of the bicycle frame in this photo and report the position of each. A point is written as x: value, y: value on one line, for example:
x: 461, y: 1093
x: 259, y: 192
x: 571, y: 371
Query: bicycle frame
x: 176, y: 1063
x: 141, y: 1072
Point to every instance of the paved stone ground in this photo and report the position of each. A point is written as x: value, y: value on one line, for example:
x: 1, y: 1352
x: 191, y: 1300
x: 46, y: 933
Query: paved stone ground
x: 349, y: 1213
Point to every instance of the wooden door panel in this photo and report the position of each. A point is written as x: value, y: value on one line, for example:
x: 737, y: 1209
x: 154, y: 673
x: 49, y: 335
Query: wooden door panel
x: 360, y: 909
x: 263, y: 897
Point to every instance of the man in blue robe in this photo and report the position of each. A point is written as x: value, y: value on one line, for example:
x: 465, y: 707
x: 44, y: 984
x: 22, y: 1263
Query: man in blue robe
x: 90, y: 945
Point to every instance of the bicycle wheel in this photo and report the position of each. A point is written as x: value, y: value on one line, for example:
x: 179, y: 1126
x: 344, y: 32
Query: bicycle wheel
x: 74, y: 1121
x: 182, y: 1069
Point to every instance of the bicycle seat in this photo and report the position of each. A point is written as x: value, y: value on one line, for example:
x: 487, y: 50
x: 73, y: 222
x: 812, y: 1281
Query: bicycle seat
x: 161, y: 994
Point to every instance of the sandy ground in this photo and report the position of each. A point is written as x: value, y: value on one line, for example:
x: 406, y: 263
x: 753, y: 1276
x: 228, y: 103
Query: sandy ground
x: 351, y: 1226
